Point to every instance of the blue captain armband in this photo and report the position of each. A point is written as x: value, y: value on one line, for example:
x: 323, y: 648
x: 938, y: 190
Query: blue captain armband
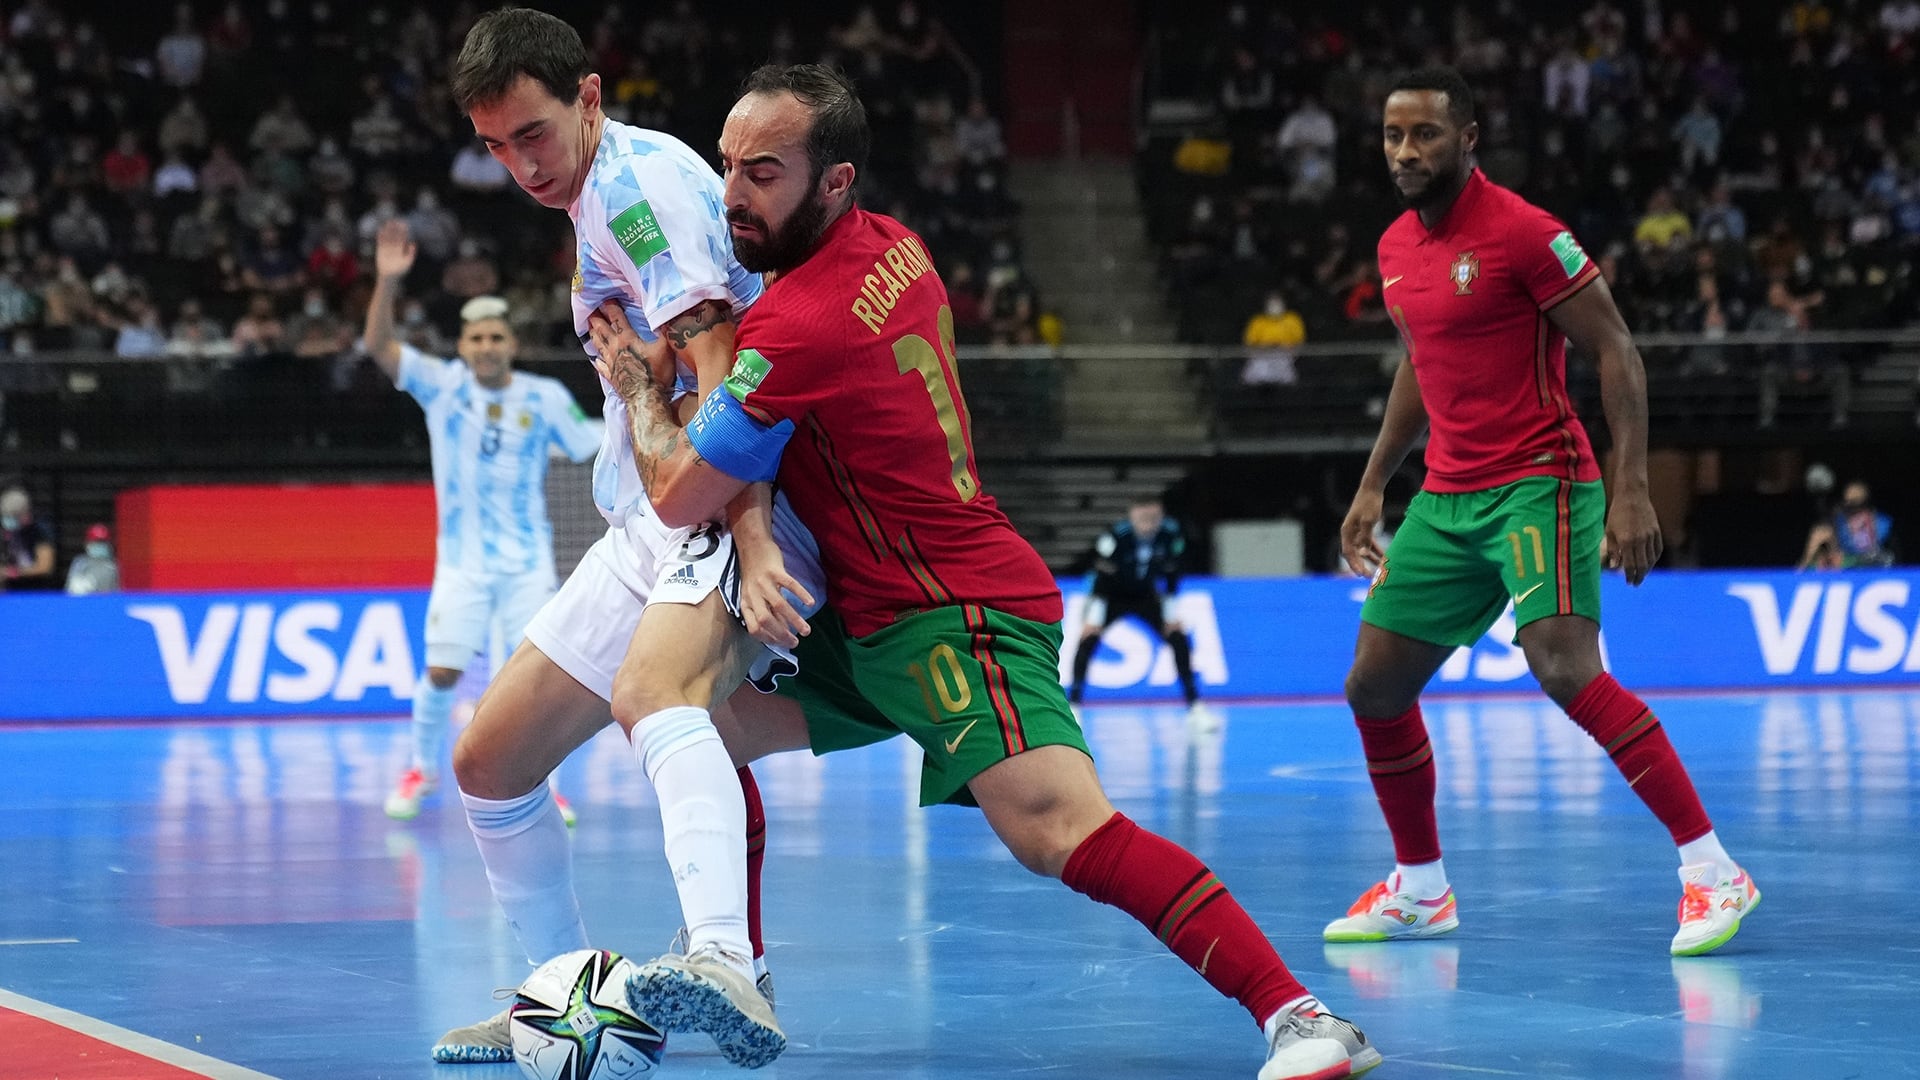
x: 734, y: 442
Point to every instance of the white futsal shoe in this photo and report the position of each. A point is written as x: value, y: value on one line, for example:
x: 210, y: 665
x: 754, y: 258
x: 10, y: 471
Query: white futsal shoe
x: 1310, y: 1043
x: 1711, y: 911
x: 413, y: 786
x: 1384, y: 913
x: 488, y: 1042
x: 706, y: 991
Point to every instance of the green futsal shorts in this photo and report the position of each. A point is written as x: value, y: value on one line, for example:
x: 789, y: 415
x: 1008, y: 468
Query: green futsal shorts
x: 973, y: 686
x: 1459, y: 558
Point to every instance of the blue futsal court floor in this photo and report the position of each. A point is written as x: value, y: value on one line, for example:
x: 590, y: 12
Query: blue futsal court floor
x: 234, y: 889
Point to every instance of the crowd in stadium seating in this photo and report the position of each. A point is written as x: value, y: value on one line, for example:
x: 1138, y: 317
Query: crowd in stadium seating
x: 212, y: 191
x: 1732, y: 166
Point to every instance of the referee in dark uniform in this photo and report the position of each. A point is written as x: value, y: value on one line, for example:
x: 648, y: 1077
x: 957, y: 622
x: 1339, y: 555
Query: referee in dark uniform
x: 1136, y: 569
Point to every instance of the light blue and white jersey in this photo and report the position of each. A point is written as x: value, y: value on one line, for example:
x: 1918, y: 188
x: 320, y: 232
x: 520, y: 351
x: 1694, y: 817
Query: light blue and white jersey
x: 490, y: 450
x: 651, y: 232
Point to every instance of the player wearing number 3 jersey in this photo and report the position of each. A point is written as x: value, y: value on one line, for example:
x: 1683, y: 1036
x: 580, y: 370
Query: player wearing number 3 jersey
x: 947, y: 624
x: 1487, y: 290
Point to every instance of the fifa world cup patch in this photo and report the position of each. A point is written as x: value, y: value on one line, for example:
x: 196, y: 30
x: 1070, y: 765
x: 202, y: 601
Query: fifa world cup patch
x: 1573, y: 258
x: 637, y: 233
x: 749, y: 371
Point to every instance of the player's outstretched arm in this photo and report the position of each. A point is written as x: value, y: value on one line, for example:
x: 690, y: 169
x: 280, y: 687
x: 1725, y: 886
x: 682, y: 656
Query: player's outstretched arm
x: 393, y: 253
x: 1593, y: 324
x: 1400, y: 428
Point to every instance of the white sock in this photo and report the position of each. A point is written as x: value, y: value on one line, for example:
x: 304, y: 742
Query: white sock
x: 1287, y: 1010
x: 432, y: 713
x: 1707, y: 850
x: 529, y: 863
x: 1426, y: 881
x: 704, y: 817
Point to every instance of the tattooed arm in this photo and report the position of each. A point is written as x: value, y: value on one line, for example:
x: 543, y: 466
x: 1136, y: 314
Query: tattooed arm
x: 652, y: 425
x: 680, y: 484
x: 643, y: 376
x: 703, y: 335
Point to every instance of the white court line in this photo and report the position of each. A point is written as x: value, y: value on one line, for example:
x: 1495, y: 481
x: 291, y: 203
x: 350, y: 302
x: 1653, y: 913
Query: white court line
x: 41, y: 941
x: 164, y: 1052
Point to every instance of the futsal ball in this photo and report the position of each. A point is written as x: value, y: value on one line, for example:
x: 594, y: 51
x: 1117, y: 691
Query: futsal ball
x: 570, y: 1021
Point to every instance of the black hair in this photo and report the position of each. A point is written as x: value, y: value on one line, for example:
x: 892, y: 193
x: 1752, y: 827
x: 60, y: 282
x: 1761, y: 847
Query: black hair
x: 514, y: 41
x: 839, y: 132
x: 1443, y: 80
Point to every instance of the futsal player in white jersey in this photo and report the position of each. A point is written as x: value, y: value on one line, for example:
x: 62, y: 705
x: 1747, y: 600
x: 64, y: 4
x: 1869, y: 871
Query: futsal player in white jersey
x: 647, y: 631
x: 490, y: 429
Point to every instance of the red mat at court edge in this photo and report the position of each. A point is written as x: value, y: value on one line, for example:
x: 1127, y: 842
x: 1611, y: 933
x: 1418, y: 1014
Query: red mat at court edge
x: 41, y: 1049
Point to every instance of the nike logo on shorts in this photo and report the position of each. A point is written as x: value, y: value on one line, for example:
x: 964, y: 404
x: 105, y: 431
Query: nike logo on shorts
x: 953, y: 744
x: 1521, y: 598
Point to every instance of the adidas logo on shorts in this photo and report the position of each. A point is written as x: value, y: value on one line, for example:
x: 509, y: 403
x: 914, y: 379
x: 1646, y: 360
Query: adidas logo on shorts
x: 683, y: 576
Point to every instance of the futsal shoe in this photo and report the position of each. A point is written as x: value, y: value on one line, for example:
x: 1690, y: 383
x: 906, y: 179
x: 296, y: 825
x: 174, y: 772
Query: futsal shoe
x: 1202, y: 720
x: 704, y: 992
x: 1383, y: 913
x: 1310, y: 1043
x: 1710, y: 914
x: 762, y: 975
x: 566, y: 810
x: 414, y: 785
x: 486, y: 1043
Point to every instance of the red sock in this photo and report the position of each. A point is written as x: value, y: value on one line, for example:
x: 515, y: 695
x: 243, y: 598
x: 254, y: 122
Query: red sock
x: 756, y: 856
x: 1161, y: 884
x: 1400, y: 764
x: 1631, y: 735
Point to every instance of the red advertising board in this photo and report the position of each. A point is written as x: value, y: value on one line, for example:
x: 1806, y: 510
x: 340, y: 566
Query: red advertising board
x: 247, y: 536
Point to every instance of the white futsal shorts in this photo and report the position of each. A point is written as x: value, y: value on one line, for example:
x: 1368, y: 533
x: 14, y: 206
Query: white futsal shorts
x: 586, y: 628
x: 464, y: 607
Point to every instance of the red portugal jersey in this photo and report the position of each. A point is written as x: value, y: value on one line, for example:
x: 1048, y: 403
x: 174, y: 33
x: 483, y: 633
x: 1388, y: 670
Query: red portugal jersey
x: 1471, y: 298
x: 854, y: 348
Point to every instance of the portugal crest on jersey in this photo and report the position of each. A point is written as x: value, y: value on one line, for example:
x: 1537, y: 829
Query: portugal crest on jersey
x: 1466, y: 269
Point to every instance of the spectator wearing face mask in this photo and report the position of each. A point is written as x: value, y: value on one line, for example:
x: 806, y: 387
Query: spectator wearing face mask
x: 29, y: 546
x: 96, y: 571
x: 1854, y: 535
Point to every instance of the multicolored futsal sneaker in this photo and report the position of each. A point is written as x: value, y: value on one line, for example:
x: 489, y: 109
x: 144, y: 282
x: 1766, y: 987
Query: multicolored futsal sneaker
x: 1383, y: 913
x: 488, y: 1042
x: 704, y: 992
x: 414, y: 785
x: 1311, y: 1043
x: 1710, y: 914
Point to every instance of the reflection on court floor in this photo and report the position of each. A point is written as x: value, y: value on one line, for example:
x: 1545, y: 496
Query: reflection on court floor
x: 235, y: 889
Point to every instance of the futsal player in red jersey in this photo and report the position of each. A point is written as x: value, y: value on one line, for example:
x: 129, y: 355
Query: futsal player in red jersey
x: 944, y: 623
x: 1487, y: 290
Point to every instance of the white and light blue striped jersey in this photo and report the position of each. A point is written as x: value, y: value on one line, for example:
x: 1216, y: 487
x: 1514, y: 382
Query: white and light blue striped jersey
x: 490, y: 450
x: 651, y: 232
